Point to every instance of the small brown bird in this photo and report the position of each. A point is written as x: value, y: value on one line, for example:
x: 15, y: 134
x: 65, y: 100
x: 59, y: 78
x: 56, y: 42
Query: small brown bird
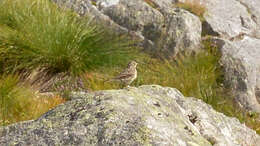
x: 128, y: 75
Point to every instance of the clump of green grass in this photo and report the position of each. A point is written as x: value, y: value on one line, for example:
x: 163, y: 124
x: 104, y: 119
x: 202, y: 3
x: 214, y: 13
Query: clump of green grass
x: 38, y: 34
x: 194, y: 75
x: 20, y: 103
x: 193, y: 6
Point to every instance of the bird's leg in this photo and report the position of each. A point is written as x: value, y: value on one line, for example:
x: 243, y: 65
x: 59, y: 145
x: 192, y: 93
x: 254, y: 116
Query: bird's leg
x: 127, y: 87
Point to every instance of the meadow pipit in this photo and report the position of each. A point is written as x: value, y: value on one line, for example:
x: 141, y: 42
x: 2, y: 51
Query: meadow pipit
x: 128, y: 75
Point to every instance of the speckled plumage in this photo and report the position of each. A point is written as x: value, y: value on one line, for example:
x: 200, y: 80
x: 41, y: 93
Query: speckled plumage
x: 128, y: 75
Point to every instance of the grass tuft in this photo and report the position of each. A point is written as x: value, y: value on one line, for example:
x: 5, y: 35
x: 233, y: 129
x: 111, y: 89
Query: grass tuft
x: 20, y: 103
x: 37, y: 34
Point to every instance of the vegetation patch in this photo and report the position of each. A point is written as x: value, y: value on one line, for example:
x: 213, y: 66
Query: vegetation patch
x: 20, y: 102
x: 93, y: 2
x: 197, y: 76
x: 193, y: 6
x: 37, y: 34
x: 48, y: 44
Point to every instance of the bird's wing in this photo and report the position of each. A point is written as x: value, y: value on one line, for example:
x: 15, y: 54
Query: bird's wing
x: 124, y: 74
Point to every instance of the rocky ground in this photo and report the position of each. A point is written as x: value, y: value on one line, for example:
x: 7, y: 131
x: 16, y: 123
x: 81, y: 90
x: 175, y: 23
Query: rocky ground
x: 147, y: 115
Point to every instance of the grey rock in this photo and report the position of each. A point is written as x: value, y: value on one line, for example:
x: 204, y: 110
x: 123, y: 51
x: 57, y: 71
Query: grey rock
x: 170, y: 33
x: 241, y: 62
x: 164, y: 6
x: 227, y: 18
x: 85, y: 7
x: 236, y: 22
x: 253, y: 9
x: 158, y: 26
x: 182, y: 32
x: 148, y: 115
x: 134, y: 15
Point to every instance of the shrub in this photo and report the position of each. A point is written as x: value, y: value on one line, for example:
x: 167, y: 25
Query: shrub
x: 38, y: 34
x: 193, y: 6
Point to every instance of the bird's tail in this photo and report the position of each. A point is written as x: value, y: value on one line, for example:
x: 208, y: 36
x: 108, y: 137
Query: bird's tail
x: 108, y: 80
x: 111, y: 80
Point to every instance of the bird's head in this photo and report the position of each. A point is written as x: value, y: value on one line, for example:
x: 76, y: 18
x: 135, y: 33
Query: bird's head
x: 132, y: 64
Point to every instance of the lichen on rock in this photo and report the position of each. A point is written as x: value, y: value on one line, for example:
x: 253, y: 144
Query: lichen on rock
x: 147, y: 115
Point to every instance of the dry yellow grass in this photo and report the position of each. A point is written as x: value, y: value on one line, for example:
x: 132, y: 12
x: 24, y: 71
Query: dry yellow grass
x: 32, y: 108
x: 151, y: 3
x: 21, y: 103
x: 193, y: 6
x: 41, y: 104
